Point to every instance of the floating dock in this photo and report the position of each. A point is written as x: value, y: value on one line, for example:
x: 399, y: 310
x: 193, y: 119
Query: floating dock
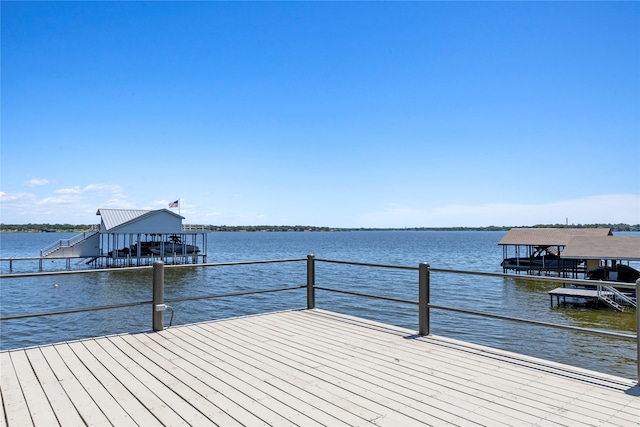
x: 306, y: 367
x: 591, y: 294
x: 607, y: 294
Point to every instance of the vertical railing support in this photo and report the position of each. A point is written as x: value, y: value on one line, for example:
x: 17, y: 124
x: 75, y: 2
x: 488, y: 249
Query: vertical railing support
x: 424, y: 325
x: 158, y: 306
x: 311, y: 281
x: 638, y: 328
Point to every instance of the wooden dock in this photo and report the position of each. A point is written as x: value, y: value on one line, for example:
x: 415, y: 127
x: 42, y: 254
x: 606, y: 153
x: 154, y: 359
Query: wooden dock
x: 576, y: 293
x: 306, y: 367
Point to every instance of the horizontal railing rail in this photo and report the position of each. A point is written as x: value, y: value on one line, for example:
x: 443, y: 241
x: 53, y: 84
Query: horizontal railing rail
x: 539, y: 323
x: 235, y: 294
x: 75, y: 310
x: 134, y: 268
x: 423, y: 303
x: 134, y: 304
x: 195, y: 227
x: 474, y: 312
x: 139, y: 303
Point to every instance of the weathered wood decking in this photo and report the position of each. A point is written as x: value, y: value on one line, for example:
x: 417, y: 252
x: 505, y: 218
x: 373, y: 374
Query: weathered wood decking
x: 307, y: 368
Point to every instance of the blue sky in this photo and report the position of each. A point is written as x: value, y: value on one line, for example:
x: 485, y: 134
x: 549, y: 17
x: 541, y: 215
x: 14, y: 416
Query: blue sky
x: 331, y: 114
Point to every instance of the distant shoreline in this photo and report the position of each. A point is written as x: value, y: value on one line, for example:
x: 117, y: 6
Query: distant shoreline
x: 69, y: 228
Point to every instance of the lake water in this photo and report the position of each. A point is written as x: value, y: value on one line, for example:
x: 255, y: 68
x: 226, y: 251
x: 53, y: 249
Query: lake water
x: 464, y: 250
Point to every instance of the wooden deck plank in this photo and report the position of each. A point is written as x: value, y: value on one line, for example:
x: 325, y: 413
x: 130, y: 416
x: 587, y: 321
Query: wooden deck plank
x: 119, y: 365
x: 87, y: 408
x: 246, y: 410
x: 165, y: 386
x: 14, y: 403
x: 132, y: 406
x: 97, y: 391
x: 395, y: 382
x: 320, y: 386
x: 3, y: 421
x: 387, y: 368
x: 493, y: 360
x: 308, y: 367
x: 304, y: 389
x: 63, y: 407
x: 435, y: 413
x: 270, y: 395
x: 385, y: 413
x: 39, y: 407
x: 604, y: 417
x: 203, y: 397
x: 507, y: 387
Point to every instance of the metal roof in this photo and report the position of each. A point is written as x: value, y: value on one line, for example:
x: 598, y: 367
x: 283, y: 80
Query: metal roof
x: 549, y: 236
x: 610, y: 247
x: 112, y: 218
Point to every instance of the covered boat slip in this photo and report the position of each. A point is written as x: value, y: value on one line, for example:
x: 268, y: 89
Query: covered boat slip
x: 610, y: 252
x: 610, y: 280
x: 301, y: 367
x: 538, y: 251
x: 138, y: 237
x: 569, y: 252
x: 133, y: 237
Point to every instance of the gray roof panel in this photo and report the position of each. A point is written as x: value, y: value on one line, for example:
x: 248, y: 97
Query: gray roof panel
x: 610, y: 247
x: 112, y: 218
x: 549, y: 236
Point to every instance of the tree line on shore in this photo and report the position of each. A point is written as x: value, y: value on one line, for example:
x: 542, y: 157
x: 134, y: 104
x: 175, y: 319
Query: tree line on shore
x: 35, y: 228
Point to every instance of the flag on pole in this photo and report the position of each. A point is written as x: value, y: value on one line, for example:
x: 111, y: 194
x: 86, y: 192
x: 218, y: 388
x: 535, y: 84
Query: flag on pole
x: 174, y: 204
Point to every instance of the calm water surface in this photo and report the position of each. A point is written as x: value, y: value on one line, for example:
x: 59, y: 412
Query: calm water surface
x: 465, y: 250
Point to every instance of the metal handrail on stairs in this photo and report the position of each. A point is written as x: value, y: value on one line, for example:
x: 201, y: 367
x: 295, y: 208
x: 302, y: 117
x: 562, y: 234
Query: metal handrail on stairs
x: 65, y: 243
x: 615, y: 298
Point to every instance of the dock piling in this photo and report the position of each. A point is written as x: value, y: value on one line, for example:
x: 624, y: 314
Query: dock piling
x: 638, y: 328
x: 311, y: 281
x: 424, y: 324
x: 158, y: 305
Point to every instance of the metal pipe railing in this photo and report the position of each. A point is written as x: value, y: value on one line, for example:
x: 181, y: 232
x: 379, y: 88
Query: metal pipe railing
x: 424, y: 304
x: 638, y: 328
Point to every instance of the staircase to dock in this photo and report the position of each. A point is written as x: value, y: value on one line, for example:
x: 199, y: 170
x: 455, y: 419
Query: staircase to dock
x: 616, y: 299
x: 68, y: 243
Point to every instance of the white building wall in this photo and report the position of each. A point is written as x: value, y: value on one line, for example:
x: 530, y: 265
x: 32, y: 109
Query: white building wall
x: 160, y: 223
x: 89, y: 247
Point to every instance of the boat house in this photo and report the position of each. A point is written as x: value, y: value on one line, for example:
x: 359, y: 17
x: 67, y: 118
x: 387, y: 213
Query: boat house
x: 606, y: 257
x: 540, y: 251
x: 130, y: 237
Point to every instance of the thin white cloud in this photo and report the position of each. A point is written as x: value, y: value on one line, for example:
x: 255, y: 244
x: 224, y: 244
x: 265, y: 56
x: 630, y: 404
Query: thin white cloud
x: 35, y: 182
x: 601, y: 209
x: 74, y: 190
x: 112, y: 188
x: 90, y: 188
x: 16, y: 197
x: 70, y: 205
x: 119, y: 202
x: 58, y: 200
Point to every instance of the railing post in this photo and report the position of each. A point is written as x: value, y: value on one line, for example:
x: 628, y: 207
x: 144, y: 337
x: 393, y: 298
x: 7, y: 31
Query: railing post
x: 311, y: 281
x: 424, y: 325
x: 158, y: 306
x: 638, y: 328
